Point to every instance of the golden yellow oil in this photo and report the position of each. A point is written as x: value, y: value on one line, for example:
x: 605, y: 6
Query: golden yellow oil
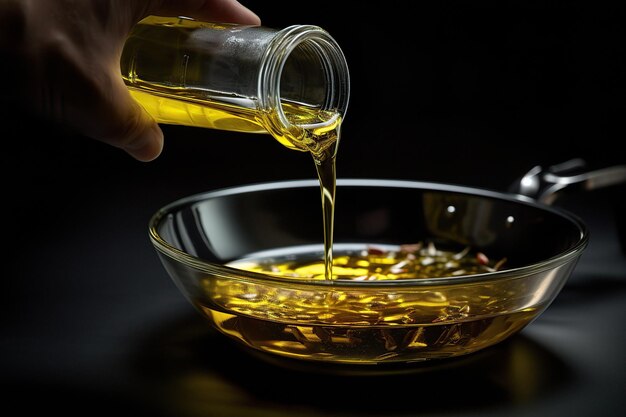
x: 317, y: 132
x: 164, y: 94
x: 373, y: 323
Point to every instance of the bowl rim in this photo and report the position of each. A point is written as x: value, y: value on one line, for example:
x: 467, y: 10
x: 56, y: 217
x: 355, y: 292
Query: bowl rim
x: 223, y: 271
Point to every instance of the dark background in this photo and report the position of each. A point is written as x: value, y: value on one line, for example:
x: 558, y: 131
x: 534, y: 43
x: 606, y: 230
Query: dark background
x: 472, y: 93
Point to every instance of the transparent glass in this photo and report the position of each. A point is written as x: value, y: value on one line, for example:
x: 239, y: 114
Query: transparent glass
x: 365, y: 322
x: 241, y: 78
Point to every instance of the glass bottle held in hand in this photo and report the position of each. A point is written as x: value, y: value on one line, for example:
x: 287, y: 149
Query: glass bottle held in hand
x: 291, y: 83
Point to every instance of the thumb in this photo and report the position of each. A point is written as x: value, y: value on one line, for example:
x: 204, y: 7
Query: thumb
x: 144, y: 140
x: 130, y: 127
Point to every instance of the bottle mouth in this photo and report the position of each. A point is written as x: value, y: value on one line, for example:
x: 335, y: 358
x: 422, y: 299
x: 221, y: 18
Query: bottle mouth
x: 304, y: 83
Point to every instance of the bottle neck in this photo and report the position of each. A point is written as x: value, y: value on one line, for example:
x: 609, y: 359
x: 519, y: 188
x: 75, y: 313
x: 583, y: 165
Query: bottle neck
x: 303, y: 84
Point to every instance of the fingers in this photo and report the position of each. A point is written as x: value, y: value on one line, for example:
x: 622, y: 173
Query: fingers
x: 225, y: 11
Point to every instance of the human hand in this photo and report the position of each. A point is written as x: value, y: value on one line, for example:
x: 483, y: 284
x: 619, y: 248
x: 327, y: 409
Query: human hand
x: 63, y: 62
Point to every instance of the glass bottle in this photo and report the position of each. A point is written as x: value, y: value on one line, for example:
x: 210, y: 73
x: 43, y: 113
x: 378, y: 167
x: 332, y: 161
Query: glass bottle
x: 291, y: 83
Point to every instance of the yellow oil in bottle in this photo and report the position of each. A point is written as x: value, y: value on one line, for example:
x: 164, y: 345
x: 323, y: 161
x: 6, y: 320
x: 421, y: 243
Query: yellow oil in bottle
x: 315, y: 130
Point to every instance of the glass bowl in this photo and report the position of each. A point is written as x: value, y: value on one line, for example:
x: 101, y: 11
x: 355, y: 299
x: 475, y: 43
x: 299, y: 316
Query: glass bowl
x: 202, y: 241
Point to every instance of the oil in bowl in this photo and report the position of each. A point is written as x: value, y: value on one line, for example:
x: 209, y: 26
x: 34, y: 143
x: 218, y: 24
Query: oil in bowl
x: 363, y: 326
